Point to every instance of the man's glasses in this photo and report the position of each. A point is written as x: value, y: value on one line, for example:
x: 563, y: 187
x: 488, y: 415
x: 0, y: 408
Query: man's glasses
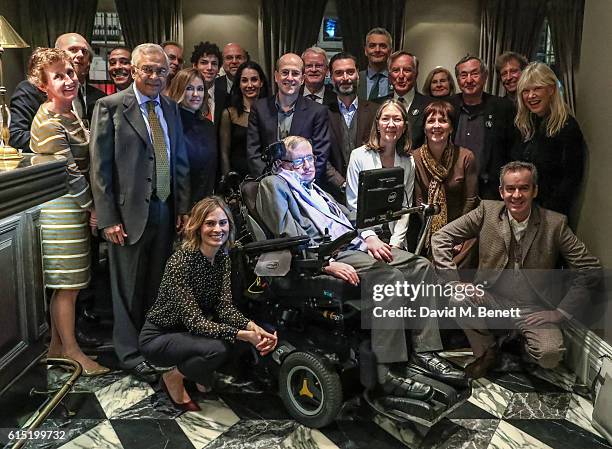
x: 300, y: 161
x: 149, y: 71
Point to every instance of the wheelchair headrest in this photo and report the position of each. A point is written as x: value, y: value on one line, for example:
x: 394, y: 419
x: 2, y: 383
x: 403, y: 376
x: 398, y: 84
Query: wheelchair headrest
x: 249, y: 189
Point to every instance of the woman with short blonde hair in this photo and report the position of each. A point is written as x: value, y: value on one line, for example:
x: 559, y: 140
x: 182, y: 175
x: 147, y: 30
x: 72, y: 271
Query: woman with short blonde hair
x: 439, y: 83
x: 551, y: 138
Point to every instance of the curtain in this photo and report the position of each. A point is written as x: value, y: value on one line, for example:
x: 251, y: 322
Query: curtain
x: 357, y: 17
x: 49, y: 19
x: 289, y: 26
x: 565, y: 19
x: 153, y: 21
x: 509, y: 25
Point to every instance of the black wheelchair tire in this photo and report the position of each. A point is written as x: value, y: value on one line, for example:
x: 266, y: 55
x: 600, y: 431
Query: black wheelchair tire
x: 310, y: 365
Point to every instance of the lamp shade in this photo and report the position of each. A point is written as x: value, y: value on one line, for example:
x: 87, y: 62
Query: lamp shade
x: 9, y: 37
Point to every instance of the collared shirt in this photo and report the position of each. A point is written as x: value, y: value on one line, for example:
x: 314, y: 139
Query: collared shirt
x: 284, y: 119
x: 230, y: 83
x: 348, y: 113
x: 383, y: 82
x: 142, y: 102
x: 518, y: 227
x: 471, y: 133
x: 211, y: 102
x: 406, y: 99
x: 318, y: 94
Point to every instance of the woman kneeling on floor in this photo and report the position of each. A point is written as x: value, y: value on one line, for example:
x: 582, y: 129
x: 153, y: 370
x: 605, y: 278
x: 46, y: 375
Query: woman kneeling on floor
x: 194, y: 322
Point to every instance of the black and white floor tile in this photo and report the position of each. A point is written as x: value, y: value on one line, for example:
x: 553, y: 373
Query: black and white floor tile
x: 506, y: 411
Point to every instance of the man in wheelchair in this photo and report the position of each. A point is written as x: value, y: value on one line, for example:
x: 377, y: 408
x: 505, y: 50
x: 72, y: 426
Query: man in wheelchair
x: 290, y: 204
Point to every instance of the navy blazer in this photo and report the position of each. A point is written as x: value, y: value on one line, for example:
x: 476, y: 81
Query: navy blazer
x: 123, y: 162
x: 309, y: 120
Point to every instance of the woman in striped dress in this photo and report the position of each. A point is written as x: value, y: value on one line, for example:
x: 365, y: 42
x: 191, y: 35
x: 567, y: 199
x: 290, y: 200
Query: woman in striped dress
x: 64, y: 221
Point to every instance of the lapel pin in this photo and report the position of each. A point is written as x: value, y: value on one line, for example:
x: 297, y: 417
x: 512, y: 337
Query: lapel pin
x: 415, y: 112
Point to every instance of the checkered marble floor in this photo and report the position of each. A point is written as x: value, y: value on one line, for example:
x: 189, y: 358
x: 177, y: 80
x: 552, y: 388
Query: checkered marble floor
x: 506, y: 410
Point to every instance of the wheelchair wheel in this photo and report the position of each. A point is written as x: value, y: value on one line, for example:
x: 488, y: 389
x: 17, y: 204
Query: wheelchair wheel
x: 310, y: 390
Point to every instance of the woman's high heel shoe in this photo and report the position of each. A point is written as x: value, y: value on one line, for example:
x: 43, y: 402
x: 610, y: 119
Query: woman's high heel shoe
x: 190, y: 406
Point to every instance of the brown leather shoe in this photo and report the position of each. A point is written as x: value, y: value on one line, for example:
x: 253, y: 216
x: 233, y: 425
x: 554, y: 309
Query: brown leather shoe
x: 481, y: 366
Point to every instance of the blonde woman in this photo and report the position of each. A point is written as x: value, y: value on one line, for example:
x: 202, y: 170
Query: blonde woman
x: 551, y: 138
x: 194, y: 322
x: 187, y: 89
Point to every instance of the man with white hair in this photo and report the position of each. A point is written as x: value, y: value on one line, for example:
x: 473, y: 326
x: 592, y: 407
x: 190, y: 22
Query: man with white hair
x: 140, y: 183
x: 315, y: 71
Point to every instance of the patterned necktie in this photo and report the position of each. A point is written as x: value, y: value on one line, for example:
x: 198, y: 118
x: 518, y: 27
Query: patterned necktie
x: 162, y: 169
x: 374, y: 92
x: 313, y: 97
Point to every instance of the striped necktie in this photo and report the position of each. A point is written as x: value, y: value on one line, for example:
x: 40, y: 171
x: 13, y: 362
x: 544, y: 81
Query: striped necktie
x: 162, y: 168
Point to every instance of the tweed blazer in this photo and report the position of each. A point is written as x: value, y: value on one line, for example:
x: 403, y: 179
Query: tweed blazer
x: 547, y: 238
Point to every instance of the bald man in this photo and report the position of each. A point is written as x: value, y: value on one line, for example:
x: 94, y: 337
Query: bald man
x: 27, y: 98
x: 287, y: 113
x: 233, y: 56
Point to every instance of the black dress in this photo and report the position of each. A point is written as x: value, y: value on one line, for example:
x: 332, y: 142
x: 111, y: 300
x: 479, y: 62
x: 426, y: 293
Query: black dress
x: 201, y: 142
x: 238, y: 156
x: 560, y: 162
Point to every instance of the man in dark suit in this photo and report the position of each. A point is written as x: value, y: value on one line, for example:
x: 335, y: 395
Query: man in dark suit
x: 350, y: 121
x: 315, y: 71
x: 519, y: 246
x: 403, y: 73
x: 483, y: 124
x: 375, y: 79
x: 206, y: 57
x: 140, y: 183
x: 233, y: 56
x: 27, y: 98
x: 287, y: 113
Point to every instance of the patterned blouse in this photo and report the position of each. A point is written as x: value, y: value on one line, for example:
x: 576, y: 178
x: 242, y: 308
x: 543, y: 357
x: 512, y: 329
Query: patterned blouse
x: 196, y: 295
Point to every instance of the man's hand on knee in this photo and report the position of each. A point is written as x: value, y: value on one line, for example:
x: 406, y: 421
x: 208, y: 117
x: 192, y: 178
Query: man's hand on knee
x: 378, y: 249
x: 342, y: 271
x: 543, y: 317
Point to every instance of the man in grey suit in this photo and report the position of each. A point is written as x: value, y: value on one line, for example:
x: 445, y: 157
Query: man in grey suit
x: 519, y: 246
x: 375, y: 79
x: 291, y: 204
x: 140, y: 182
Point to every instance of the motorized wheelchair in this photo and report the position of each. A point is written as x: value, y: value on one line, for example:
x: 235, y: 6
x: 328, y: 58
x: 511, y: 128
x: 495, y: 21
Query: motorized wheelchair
x: 323, y: 354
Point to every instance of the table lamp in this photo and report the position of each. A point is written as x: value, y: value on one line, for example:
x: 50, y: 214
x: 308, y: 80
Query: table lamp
x: 8, y: 39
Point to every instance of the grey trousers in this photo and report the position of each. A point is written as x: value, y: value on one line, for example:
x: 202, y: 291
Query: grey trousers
x: 135, y: 274
x: 543, y: 344
x: 389, y: 341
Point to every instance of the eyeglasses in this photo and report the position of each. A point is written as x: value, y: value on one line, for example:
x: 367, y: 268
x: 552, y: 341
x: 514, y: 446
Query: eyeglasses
x: 149, y: 71
x: 300, y: 161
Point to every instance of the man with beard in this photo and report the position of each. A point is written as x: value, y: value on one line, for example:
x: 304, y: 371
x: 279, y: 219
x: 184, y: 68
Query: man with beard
x: 27, y: 98
x: 375, y: 79
x: 315, y: 71
x: 350, y: 121
x: 174, y: 51
x: 120, y: 67
x: 287, y: 113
